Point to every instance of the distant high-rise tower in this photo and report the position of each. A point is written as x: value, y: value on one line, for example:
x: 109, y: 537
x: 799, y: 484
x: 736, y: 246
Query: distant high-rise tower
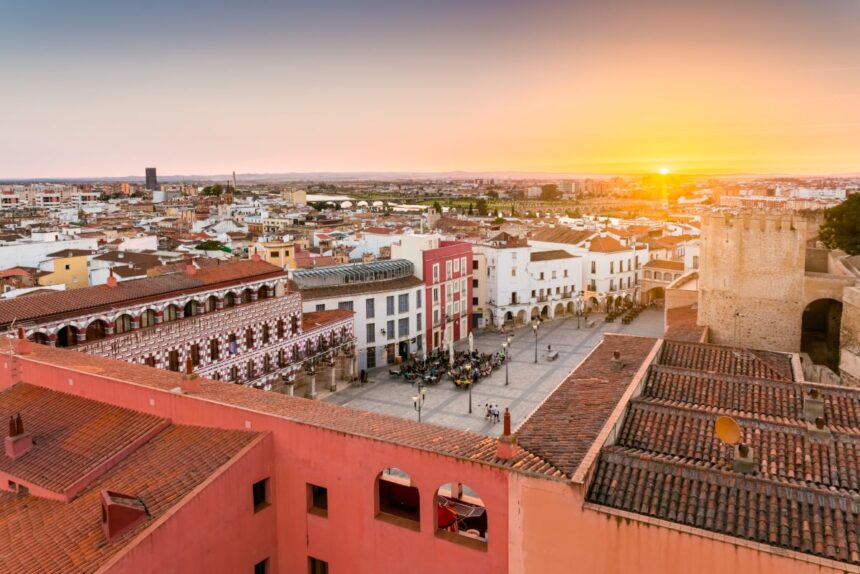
x: 151, y: 180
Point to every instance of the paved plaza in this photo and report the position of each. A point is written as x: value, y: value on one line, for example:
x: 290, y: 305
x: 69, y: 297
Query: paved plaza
x: 528, y: 383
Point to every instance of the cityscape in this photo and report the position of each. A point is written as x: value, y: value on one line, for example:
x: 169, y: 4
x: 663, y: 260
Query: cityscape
x: 491, y: 287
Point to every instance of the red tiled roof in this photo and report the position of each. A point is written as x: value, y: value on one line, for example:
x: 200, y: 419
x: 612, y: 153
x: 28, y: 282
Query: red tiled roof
x: 561, y: 235
x: 126, y: 292
x: 375, y: 426
x: 681, y: 325
x: 667, y: 463
x: 606, y: 245
x: 15, y: 272
x: 564, y: 427
x: 551, y: 255
x: 40, y: 535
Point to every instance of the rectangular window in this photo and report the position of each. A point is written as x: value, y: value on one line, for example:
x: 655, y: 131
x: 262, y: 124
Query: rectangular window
x: 403, y: 327
x: 371, y: 332
x: 534, y: 293
x: 611, y: 268
x: 317, y: 566
x: 474, y: 264
x: 262, y: 567
x: 513, y: 271
x: 435, y: 294
x: 448, y: 273
x: 593, y: 286
x: 553, y: 274
x: 345, y: 305
x: 320, y: 307
x: 389, y: 330
x: 541, y: 276
x: 317, y: 500
x: 418, y: 325
x: 403, y: 303
x: 369, y: 308
x: 260, y: 491
x: 612, y: 284
x: 474, y: 301
x: 463, y: 264
x: 436, y: 273
x: 435, y: 316
x: 594, y: 267
x: 389, y: 305
x: 275, y: 254
x: 456, y: 266
x: 418, y: 297
x: 474, y: 283
x: 565, y: 272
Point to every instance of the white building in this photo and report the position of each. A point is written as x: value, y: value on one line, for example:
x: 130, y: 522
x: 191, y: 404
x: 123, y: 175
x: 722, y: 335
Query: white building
x: 386, y: 297
x: 31, y: 252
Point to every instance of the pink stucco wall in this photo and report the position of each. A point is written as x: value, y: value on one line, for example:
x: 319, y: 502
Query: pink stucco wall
x: 557, y: 534
x: 216, y: 530
x: 351, y: 539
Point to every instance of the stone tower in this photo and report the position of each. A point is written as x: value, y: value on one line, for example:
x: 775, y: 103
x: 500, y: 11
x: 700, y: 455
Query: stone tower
x: 751, y: 279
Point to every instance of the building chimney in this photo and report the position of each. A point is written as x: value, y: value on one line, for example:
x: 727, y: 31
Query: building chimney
x: 190, y: 380
x: 255, y: 257
x: 111, y: 280
x: 743, y: 461
x: 818, y: 428
x: 616, y: 363
x: 507, y: 445
x: 18, y: 443
x: 121, y: 513
x: 813, y: 405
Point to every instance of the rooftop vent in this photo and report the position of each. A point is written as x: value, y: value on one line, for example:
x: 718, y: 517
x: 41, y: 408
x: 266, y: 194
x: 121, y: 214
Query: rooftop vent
x: 813, y: 405
x: 121, y: 513
x: 111, y: 280
x: 18, y: 443
x: 742, y: 461
x: 616, y: 362
x: 190, y: 380
x: 818, y: 428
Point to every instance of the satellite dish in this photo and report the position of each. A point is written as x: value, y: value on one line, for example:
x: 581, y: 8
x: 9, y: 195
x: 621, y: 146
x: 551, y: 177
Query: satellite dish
x: 727, y: 430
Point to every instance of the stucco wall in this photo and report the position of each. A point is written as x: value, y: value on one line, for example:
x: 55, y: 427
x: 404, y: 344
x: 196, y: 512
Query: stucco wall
x: 555, y: 533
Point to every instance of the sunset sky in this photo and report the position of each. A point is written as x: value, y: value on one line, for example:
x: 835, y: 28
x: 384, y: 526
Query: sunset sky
x: 105, y: 88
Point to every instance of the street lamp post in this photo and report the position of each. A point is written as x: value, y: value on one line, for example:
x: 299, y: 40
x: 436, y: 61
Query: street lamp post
x: 506, y: 346
x: 535, y: 327
x: 418, y: 400
x: 470, y: 394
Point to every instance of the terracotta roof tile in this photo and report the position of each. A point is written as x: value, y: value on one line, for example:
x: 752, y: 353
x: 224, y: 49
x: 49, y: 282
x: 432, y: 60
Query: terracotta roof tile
x: 561, y: 235
x: 551, y: 255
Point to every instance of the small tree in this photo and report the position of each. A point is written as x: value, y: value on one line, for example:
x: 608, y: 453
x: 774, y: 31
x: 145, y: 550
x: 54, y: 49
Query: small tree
x: 483, y: 208
x: 549, y: 192
x: 471, y: 211
x: 493, y: 194
x: 437, y: 207
x: 841, y: 227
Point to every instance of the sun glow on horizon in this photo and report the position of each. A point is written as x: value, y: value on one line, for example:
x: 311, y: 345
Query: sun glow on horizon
x: 664, y: 171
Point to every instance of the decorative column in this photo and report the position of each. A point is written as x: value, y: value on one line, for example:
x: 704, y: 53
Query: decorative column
x: 311, y: 392
x: 82, y: 335
x: 159, y: 317
x: 333, y: 383
x: 253, y: 295
x: 180, y: 312
x: 135, y: 323
x: 219, y: 304
x: 110, y: 328
x: 52, y: 339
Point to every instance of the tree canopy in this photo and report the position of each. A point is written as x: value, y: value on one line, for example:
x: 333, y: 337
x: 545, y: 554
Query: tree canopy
x: 211, y: 245
x: 549, y: 192
x: 483, y: 208
x: 841, y: 227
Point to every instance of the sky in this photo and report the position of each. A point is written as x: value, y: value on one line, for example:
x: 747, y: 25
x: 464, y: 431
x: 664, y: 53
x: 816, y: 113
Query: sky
x: 105, y: 88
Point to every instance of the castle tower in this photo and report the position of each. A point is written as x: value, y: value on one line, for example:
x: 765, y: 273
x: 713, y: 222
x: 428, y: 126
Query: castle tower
x: 751, y: 279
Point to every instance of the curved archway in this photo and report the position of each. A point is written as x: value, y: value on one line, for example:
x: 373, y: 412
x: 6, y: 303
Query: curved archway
x: 820, y: 325
x: 171, y: 313
x: 655, y: 294
x: 122, y: 324
x: 211, y: 303
x: 460, y: 511
x: 571, y: 308
x: 246, y: 295
x: 535, y: 312
x: 192, y: 308
x: 147, y: 318
x: 544, y: 312
x: 521, y: 317
x: 230, y: 299
x: 96, y: 330
x: 262, y: 292
x: 594, y: 303
x: 559, y: 310
x: 39, y: 337
x: 67, y: 336
x: 396, y: 496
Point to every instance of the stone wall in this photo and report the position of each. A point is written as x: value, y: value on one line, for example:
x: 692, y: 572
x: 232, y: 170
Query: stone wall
x: 751, y: 280
x: 849, y: 338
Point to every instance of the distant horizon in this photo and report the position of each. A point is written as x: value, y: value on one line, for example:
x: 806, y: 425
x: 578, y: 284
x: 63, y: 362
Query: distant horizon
x: 330, y: 86
x: 420, y: 175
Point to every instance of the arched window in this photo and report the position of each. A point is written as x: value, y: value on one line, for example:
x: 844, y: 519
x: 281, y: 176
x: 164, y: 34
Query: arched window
x: 230, y: 300
x: 147, y: 318
x: 262, y: 292
x: 460, y: 514
x: 211, y: 303
x: 647, y: 274
x: 171, y: 313
x: 246, y: 296
x: 397, y: 499
x: 67, y: 336
x: 96, y: 330
x: 122, y: 324
x: 191, y: 308
x: 39, y: 337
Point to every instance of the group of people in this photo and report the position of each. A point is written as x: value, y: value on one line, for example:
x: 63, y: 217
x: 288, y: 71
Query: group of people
x: 470, y: 367
x: 493, y: 414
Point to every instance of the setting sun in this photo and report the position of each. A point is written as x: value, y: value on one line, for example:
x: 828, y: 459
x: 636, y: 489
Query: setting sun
x: 664, y: 171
